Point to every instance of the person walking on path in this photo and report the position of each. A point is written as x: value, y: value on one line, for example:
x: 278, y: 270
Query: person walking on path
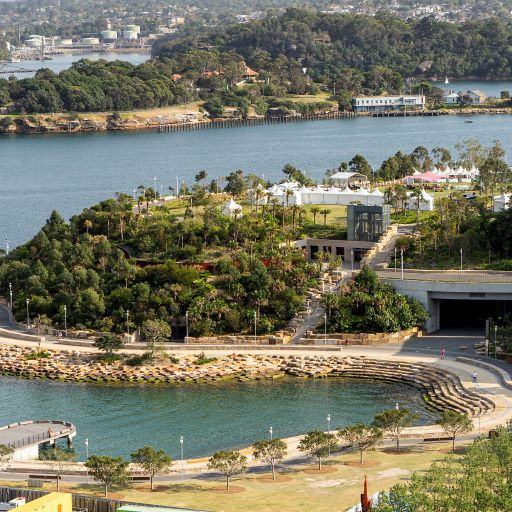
x: 474, y: 377
x: 443, y: 352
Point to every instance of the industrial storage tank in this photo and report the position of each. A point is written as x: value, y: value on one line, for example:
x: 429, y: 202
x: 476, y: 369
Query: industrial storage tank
x: 132, y: 28
x: 130, y: 35
x: 90, y: 40
x: 65, y: 42
x: 109, y: 35
x: 34, y: 41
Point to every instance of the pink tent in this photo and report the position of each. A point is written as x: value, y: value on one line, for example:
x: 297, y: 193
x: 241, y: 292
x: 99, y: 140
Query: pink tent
x: 428, y: 177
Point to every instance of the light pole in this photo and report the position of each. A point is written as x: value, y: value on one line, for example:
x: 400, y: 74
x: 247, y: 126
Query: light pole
x: 328, y: 423
x: 65, y: 321
x: 28, y: 315
x: 86, y: 442
x: 395, y: 259
x: 182, y: 460
x: 7, y: 246
x: 325, y: 329
x: 271, y: 432
x: 154, y: 185
x: 495, y: 339
x: 402, y: 262
x: 255, y: 330
x: 177, y: 187
x: 352, y: 260
x: 186, y: 326
x: 128, y: 322
x: 10, y: 295
x: 461, y: 259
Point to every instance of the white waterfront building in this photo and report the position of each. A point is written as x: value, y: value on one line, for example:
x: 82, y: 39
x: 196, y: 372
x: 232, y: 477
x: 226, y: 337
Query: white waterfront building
x: 376, y: 103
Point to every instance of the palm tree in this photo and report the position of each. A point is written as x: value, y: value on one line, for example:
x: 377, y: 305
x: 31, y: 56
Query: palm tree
x: 87, y: 225
x: 315, y: 210
x: 325, y: 212
x: 288, y: 193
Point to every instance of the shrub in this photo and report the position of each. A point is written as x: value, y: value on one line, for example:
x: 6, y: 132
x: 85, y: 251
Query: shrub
x: 202, y: 359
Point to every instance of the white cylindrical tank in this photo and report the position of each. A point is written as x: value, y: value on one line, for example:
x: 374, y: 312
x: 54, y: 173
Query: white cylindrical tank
x: 109, y: 35
x: 132, y: 28
x: 130, y: 35
x: 65, y: 42
x: 90, y: 40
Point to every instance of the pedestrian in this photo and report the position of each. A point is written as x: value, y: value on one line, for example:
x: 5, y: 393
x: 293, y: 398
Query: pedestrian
x: 443, y: 352
x: 474, y: 376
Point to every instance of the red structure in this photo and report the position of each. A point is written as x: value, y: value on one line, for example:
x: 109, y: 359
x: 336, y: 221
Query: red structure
x: 366, y: 502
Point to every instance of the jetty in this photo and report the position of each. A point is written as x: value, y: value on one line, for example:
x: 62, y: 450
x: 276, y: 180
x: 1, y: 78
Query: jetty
x: 233, y: 123
x: 26, y: 436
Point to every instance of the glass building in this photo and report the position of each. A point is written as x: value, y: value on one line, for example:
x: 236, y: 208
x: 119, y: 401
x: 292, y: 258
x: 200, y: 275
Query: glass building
x: 367, y: 223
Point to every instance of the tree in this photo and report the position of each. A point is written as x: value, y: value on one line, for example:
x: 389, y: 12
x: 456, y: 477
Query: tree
x: 230, y: 463
x: 325, y: 212
x: 318, y: 444
x: 108, y: 343
x: 315, y: 210
x: 107, y: 470
x: 271, y: 451
x: 394, y: 421
x: 361, y: 165
x: 155, y: 332
x: 360, y: 436
x: 454, y: 424
x: 6, y: 453
x: 60, y: 461
x: 153, y: 462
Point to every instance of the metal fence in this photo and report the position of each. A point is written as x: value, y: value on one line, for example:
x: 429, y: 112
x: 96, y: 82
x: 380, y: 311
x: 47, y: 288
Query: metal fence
x: 80, y: 501
x: 450, y: 276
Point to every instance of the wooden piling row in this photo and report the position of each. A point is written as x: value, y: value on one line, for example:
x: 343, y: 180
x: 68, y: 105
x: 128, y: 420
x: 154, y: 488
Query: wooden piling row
x: 232, y: 123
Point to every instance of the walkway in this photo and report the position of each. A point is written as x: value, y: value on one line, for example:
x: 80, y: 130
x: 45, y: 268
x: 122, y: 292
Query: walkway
x: 29, y: 433
x: 457, y: 276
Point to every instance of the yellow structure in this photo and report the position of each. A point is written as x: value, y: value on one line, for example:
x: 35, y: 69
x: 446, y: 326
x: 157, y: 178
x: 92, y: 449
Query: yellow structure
x: 53, y: 502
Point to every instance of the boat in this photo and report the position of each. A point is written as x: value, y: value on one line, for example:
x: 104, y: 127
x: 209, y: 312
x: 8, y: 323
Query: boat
x: 446, y: 81
x: 468, y: 121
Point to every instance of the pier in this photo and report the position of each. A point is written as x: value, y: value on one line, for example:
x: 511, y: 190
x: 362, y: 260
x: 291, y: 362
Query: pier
x: 26, y: 436
x: 232, y: 123
x: 7, y: 68
x: 412, y: 113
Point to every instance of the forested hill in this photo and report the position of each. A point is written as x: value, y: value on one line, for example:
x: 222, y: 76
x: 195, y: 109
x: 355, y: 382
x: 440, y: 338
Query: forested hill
x: 328, y: 44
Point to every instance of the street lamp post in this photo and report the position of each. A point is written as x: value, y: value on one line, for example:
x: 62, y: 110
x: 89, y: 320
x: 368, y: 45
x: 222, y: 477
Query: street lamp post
x: 154, y: 185
x: 325, y: 329
x: 352, y: 260
x: 28, y: 315
x: 402, y: 262
x: 65, y: 321
x: 271, y: 432
x: 495, y: 339
x: 255, y: 325
x: 328, y: 423
x: 10, y: 295
x: 186, y: 326
x: 461, y: 259
x: 128, y: 322
x: 86, y: 442
x: 395, y: 259
x: 182, y: 460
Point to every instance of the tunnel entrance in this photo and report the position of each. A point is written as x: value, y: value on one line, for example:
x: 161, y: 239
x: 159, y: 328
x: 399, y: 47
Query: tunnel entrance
x: 471, y: 313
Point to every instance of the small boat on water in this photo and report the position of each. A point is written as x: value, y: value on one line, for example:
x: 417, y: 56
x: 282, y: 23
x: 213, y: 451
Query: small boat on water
x: 446, y: 81
x: 468, y: 121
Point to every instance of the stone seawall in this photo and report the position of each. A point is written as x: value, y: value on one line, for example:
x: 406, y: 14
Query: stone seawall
x: 440, y: 389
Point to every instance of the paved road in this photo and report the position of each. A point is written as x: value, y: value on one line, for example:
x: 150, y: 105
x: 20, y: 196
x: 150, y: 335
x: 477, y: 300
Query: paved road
x: 457, y: 276
x: 5, y: 320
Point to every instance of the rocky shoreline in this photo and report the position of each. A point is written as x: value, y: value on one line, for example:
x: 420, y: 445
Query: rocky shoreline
x: 86, y: 123
x: 440, y: 389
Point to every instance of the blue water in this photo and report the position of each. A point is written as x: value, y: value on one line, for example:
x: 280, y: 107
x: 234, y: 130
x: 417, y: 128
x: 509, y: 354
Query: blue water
x: 117, y: 420
x: 70, y: 172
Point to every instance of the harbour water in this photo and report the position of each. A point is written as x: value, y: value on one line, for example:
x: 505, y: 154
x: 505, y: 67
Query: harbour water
x: 40, y: 173
x: 210, y: 417
x: 59, y: 63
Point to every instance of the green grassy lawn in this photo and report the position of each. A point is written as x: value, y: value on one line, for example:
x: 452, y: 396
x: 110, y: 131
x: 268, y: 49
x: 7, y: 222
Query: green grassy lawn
x: 302, y: 487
